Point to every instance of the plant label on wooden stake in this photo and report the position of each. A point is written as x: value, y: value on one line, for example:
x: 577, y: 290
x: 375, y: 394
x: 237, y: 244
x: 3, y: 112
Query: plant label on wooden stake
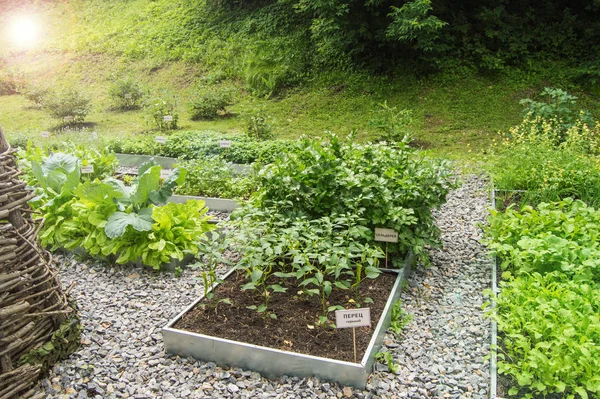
x: 168, y: 118
x: 386, y: 235
x: 45, y: 134
x: 87, y: 169
x: 353, y: 318
x: 225, y: 143
x: 69, y: 118
x: 161, y: 139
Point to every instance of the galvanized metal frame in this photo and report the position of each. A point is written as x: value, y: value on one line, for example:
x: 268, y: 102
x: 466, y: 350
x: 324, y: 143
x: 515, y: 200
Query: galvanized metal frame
x: 273, y: 363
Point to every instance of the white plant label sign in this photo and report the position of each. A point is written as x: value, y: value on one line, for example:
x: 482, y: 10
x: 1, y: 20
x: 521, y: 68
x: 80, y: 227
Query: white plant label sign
x: 386, y: 235
x: 168, y: 118
x: 87, y: 169
x: 353, y: 318
x: 45, y: 134
x: 69, y: 118
x: 161, y: 139
x: 225, y: 143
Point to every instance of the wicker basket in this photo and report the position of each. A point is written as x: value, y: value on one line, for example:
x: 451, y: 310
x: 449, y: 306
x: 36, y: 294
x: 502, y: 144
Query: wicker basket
x: 32, y: 304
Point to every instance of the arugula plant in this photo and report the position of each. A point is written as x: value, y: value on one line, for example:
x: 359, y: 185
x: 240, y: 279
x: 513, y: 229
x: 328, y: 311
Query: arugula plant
x: 560, y: 236
x: 550, y: 334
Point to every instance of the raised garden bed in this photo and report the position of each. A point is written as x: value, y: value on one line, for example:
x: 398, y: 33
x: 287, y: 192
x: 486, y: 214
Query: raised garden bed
x: 214, y: 204
x: 135, y: 160
x: 283, y: 359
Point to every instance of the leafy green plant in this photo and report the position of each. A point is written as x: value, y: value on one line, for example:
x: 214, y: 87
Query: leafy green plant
x: 392, y: 123
x: 559, y: 106
x: 387, y: 358
x: 214, y: 177
x: 258, y: 127
x: 103, y: 162
x: 210, y: 102
x: 550, y: 335
x: 126, y: 93
x: 384, y: 186
x: 400, y: 319
x: 559, y: 236
x: 197, y: 145
x: 161, y: 112
x: 104, y: 218
x: 211, y: 256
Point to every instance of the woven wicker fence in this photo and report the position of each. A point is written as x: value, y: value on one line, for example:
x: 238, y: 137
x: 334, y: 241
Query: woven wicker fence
x: 32, y: 304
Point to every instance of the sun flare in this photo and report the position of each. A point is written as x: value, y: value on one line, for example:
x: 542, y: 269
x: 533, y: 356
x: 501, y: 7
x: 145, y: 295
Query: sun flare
x: 24, y: 31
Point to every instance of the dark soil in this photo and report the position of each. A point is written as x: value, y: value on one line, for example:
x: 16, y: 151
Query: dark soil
x: 295, y: 328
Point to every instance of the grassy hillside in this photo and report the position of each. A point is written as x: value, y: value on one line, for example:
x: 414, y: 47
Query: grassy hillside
x: 178, y: 45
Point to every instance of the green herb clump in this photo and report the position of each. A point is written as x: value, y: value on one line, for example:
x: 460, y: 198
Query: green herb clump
x: 214, y: 177
x: 546, y: 165
x: 560, y: 236
x: 384, y: 186
x: 200, y: 144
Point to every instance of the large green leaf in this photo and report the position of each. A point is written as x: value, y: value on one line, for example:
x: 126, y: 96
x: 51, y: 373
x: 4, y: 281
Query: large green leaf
x: 147, y: 182
x: 117, y: 222
x: 175, y: 178
x: 97, y: 192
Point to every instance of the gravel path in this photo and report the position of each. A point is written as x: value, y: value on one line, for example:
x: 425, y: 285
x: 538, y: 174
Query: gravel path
x: 440, y: 355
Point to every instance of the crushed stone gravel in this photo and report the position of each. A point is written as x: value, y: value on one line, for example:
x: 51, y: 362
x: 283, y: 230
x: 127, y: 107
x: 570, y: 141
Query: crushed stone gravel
x: 440, y: 354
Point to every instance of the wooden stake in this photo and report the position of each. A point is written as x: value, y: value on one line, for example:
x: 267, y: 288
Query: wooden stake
x: 386, y: 255
x: 354, y: 339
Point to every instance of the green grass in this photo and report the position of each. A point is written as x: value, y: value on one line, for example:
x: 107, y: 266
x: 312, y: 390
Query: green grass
x: 88, y: 42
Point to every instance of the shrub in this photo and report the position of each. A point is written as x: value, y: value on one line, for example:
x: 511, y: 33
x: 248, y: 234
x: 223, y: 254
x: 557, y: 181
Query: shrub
x: 11, y: 82
x: 559, y: 108
x: 208, y: 102
x: 258, y: 127
x: 37, y: 93
x: 162, y: 112
x: 126, y: 93
x: 68, y: 105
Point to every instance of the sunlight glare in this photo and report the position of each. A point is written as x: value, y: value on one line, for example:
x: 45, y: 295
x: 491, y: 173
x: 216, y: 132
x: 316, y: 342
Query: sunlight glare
x: 24, y: 32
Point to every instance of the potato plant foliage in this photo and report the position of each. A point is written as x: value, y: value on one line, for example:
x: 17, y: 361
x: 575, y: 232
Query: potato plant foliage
x: 383, y: 186
x: 313, y: 216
